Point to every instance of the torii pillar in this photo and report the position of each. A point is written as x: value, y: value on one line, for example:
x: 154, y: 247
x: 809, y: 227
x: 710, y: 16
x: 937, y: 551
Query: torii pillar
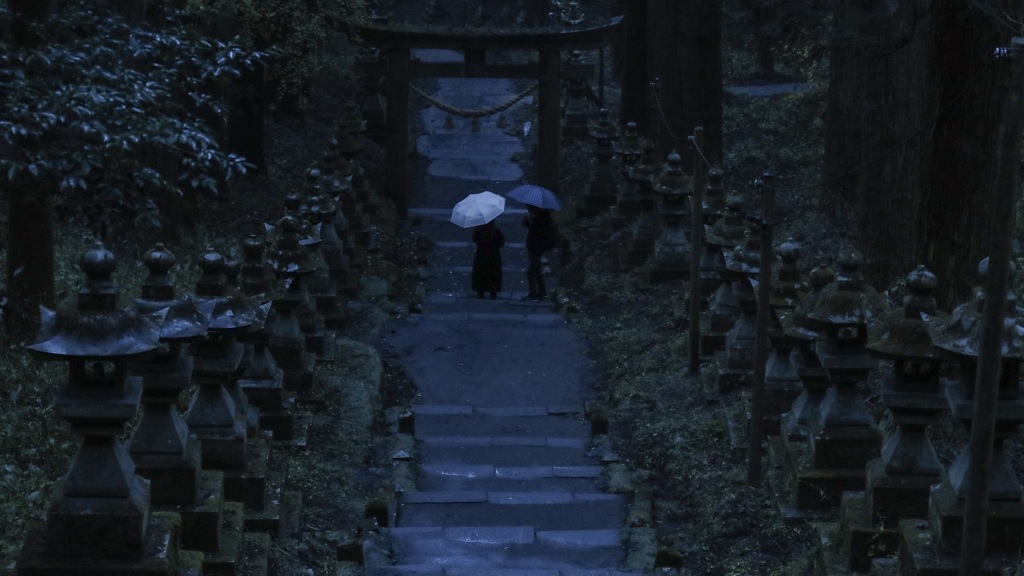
x: 549, y: 124
x: 396, y: 153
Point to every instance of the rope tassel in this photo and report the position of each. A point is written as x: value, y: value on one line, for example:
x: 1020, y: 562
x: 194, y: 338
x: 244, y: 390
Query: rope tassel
x: 448, y: 124
x: 476, y: 124
x: 502, y: 122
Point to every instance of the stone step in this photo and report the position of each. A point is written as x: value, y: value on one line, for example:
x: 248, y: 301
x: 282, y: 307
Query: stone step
x: 507, y: 547
x: 509, y: 451
x: 542, y: 510
x: 512, y: 421
x: 429, y: 570
x: 453, y: 477
x: 511, y: 304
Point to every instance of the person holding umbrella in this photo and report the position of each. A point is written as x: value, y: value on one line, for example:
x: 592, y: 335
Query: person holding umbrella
x: 478, y: 211
x: 540, y: 237
x: 541, y: 233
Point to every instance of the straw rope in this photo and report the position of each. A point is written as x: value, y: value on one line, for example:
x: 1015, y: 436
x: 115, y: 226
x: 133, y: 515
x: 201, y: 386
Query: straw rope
x: 479, y: 113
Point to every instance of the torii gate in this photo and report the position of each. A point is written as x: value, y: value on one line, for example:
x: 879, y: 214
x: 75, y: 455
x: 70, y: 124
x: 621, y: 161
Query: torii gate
x: 548, y: 69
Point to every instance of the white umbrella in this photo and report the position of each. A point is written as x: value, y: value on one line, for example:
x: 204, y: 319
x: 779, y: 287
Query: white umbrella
x: 477, y: 209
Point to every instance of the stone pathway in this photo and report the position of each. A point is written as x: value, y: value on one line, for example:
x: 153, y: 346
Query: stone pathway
x: 507, y: 479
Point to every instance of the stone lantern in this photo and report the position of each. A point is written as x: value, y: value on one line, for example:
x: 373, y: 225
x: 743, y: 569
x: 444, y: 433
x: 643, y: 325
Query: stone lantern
x: 574, y: 110
x: 214, y: 414
x: 637, y: 204
x: 845, y: 438
x: 349, y: 131
x: 320, y: 210
x: 350, y: 144
x: 339, y: 190
x: 317, y: 340
x: 958, y: 339
x: 163, y: 449
x: 254, y: 278
x: 710, y: 255
x: 672, y: 251
x: 781, y: 380
x: 630, y: 146
x: 263, y: 381
x: 369, y: 68
x: 742, y: 265
x: 725, y: 234
x: 289, y: 260
x: 601, y: 189
x: 570, y: 13
x: 99, y: 521
x: 803, y: 414
x: 900, y: 481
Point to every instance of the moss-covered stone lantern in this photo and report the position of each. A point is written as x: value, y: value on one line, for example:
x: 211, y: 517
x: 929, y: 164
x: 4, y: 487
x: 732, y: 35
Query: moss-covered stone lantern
x: 163, y: 449
x: 214, y: 414
x: 672, y: 250
x: 100, y: 515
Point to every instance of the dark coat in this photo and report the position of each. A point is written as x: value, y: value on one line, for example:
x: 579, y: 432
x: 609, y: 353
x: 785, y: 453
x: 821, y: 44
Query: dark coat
x: 487, y: 260
x: 540, y: 231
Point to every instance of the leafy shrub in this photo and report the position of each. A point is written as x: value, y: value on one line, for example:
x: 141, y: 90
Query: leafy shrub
x: 295, y: 34
x: 101, y: 104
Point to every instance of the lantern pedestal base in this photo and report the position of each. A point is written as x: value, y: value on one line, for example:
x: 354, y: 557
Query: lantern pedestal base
x: 1005, y: 525
x: 920, y: 555
x: 158, y: 556
x: 174, y: 478
x: 892, y: 496
x: 83, y: 527
x: 846, y: 447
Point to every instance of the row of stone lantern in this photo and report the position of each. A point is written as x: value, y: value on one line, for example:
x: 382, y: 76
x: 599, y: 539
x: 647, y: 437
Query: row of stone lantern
x: 186, y: 480
x: 892, y: 494
x: 828, y: 333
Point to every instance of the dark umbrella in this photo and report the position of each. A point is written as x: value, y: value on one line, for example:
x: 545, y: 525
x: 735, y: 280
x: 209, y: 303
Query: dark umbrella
x: 535, y: 196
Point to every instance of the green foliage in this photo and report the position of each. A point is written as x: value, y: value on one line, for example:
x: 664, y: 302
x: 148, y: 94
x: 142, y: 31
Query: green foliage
x: 782, y: 133
x: 295, y: 34
x: 35, y: 445
x: 101, y: 101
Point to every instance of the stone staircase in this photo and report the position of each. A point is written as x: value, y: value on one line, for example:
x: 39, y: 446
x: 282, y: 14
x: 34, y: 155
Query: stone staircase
x: 503, y: 475
x: 508, y: 489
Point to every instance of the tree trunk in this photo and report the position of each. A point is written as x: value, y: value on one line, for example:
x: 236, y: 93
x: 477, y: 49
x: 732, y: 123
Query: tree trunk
x: 30, y: 260
x: 246, y: 114
x: 910, y: 132
x: 764, y: 15
x: 633, y: 64
x: 30, y: 245
x: 955, y: 215
x: 685, y: 43
x: 875, y: 107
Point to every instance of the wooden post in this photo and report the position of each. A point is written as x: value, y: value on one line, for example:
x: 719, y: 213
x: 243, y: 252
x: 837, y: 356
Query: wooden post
x: 986, y: 393
x: 696, y: 248
x: 396, y: 134
x: 755, y: 435
x: 549, y: 124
